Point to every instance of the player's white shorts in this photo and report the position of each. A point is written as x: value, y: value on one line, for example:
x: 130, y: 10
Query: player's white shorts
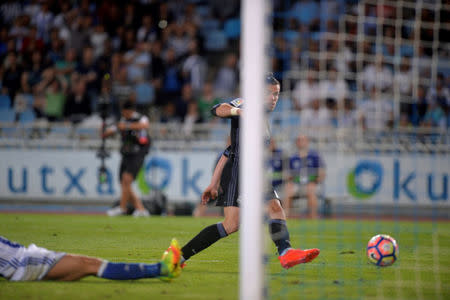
x: 19, y: 263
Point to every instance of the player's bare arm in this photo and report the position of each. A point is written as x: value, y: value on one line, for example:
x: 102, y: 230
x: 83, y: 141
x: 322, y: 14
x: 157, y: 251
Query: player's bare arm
x: 133, y: 125
x: 108, y: 132
x: 226, y: 110
x: 111, y: 130
x: 211, y: 191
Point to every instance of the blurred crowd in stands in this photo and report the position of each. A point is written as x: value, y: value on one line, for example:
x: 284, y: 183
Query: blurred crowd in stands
x: 63, y: 57
x: 176, y: 59
x: 360, y: 60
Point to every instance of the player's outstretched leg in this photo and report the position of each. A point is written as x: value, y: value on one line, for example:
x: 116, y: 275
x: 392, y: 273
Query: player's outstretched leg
x: 42, y: 264
x: 211, y: 234
x: 205, y: 238
x: 279, y: 233
x: 166, y: 269
x: 73, y: 267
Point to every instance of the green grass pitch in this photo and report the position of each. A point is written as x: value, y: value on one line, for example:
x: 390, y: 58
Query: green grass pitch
x: 340, y: 272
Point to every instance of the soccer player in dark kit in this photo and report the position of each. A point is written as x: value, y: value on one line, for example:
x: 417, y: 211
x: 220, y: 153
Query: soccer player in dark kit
x: 135, y: 146
x: 225, y: 186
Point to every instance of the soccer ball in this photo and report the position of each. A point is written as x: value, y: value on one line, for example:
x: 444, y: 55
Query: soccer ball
x: 382, y: 250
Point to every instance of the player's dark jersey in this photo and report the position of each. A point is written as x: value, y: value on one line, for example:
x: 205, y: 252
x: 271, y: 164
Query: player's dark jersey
x: 229, y: 181
x: 135, y: 141
x: 235, y: 130
x: 305, y: 169
x: 233, y: 149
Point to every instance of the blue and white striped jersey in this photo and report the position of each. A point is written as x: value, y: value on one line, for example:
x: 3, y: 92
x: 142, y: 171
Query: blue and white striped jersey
x: 19, y: 263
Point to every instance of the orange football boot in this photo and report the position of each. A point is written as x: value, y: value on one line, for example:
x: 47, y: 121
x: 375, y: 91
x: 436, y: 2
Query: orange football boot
x: 294, y: 257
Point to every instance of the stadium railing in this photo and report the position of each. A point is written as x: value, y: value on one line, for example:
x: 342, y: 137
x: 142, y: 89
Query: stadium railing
x: 44, y: 135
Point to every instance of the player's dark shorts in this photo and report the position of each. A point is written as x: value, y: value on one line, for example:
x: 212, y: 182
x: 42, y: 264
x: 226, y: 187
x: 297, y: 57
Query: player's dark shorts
x: 132, y: 163
x: 229, y: 185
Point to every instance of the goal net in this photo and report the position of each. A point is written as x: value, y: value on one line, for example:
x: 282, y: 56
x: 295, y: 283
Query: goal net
x: 360, y: 146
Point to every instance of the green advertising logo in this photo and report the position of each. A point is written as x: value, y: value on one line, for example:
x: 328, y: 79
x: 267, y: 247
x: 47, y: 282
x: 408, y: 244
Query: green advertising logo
x: 365, y: 179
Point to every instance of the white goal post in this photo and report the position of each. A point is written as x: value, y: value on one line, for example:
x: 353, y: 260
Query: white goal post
x: 253, y: 67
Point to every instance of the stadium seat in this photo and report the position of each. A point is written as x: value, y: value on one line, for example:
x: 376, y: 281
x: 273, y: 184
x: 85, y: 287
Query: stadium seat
x: 203, y: 10
x: 293, y: 120
x: 291, y: 36
x: 29, y: 98
x: 27, y: 116
x: 7, y: 115
x: 406, y: 50
x: 209, y: 25
x: 5, y: 102
x: 306, y: 11
x: 284, y: 104
x: 215, y: 40
x: 275, y: 118
x: 232, y: 28
x: 10, y: 132
x: 317, y: 36
x: 445, y: 70
x: 145, y: 93
x: 287, y: 119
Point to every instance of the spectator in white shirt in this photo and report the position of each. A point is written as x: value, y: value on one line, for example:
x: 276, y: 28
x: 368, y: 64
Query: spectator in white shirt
x: 315, y: 117
x: 334, y: 87
x: 344, y: 58
x: 403, y: 78
x: 377, y: 75
x: 60, y: 18
x: 32, y: 8
x: 227, y: 77
x: 10, y: 10
x: 178, y: 39
x: 194, y: 68
x: 305, y: 91
x: 347, y: 117
x: 19, y: 30
x: 138, y: 61
x: 43, y: 21
x: 121, y: 89
x: 375, y: 113
x: 98, y: 38
x: 147, y: 32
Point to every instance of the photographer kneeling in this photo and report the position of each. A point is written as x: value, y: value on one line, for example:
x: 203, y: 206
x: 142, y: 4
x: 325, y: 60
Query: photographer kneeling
x: 135, y: 145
